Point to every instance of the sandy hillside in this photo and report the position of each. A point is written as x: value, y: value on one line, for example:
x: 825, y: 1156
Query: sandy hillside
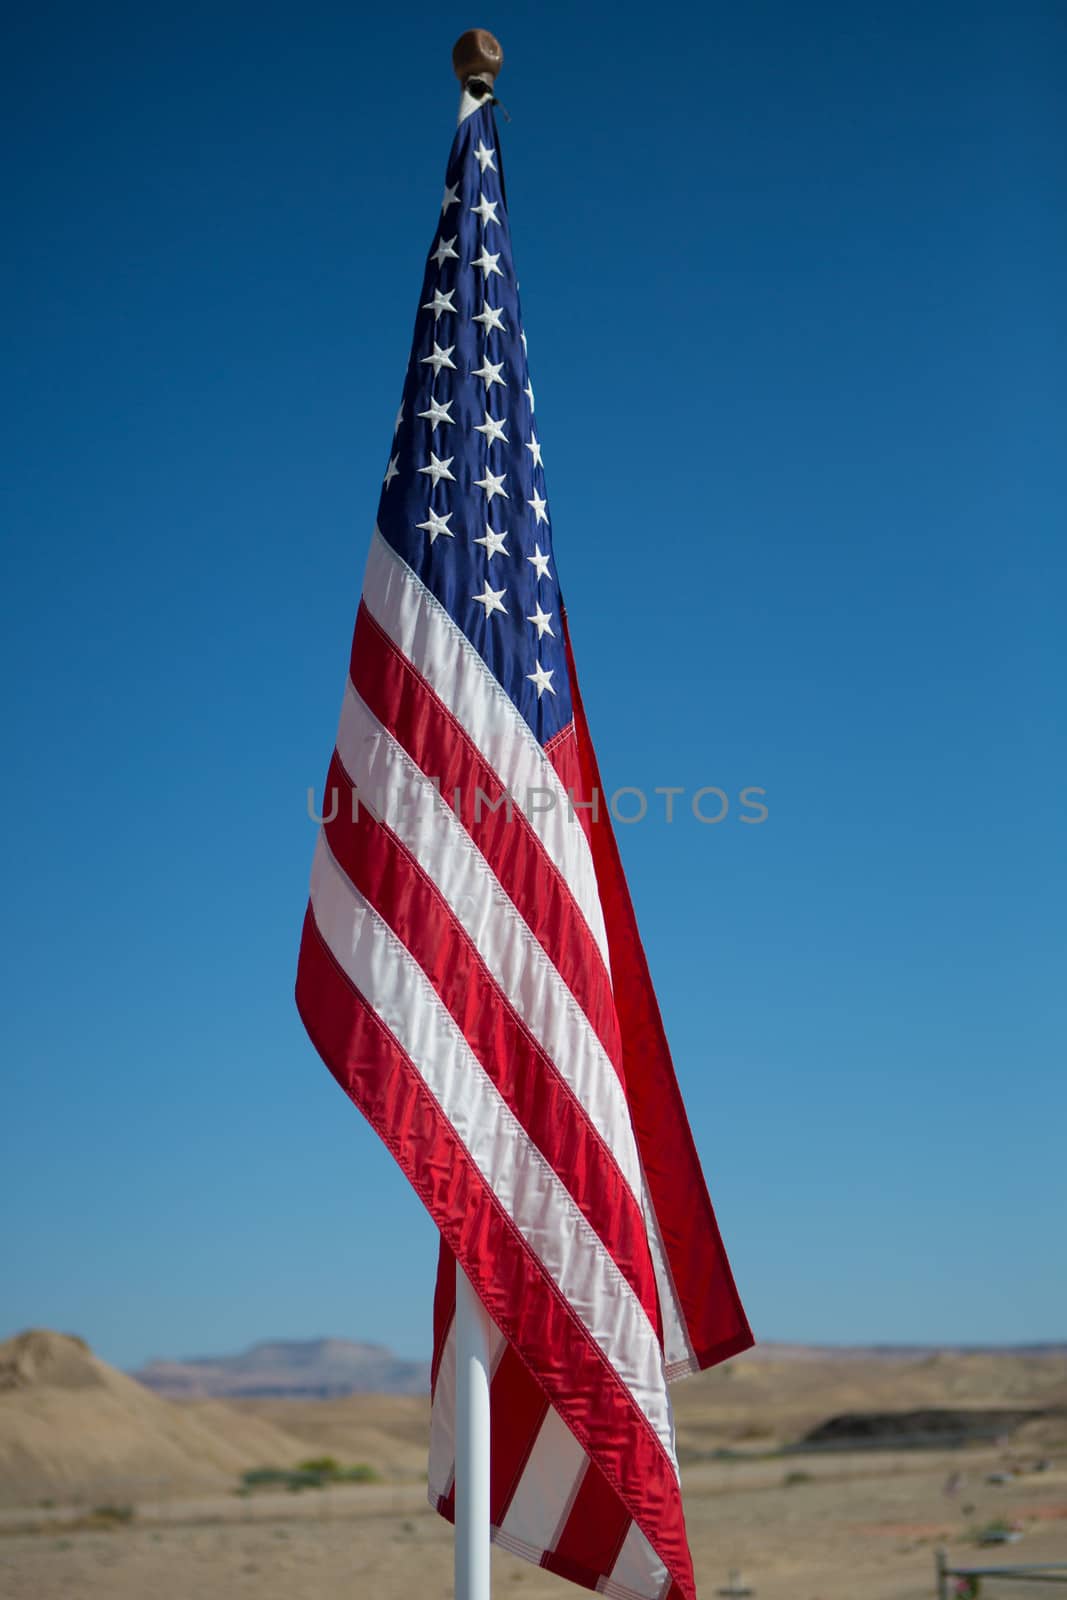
x: 759, y: 1401
x: 765, y: 1399
x: 72, y: 1428
x: 386, y: 1431
x: 825, y: 1525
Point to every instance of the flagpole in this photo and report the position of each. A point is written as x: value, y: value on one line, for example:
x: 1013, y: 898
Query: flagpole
x: 472, y: 1444
x: 476, y: 60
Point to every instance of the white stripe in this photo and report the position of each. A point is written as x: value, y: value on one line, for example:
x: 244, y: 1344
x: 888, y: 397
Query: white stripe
x: 678, y: 1353
x: 422, y: 629
x: 545, y: 1492
x: 638, y: 1569
x: 525, y: 1185
x: 443, y: 1420
x: 405, y: 799
x: 443, y: 1411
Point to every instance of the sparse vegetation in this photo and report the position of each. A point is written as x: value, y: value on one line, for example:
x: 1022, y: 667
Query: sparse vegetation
x: 791, y: 1479
x: 111, y: 1516
x: 317, y: 1473
x: 999, y: 1531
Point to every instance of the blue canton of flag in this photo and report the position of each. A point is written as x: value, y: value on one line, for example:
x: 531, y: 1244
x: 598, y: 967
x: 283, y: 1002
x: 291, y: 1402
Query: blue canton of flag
x: 463, y: 500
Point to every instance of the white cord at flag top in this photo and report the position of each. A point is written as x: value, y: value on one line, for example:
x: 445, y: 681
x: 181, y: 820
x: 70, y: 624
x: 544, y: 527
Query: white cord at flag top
x: 472, y: 1444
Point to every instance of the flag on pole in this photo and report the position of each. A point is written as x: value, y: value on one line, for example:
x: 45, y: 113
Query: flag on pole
x: 471, y: 970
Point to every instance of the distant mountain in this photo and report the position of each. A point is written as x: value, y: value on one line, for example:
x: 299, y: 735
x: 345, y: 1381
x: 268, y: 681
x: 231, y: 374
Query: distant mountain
x: 321, y: 1369
x: 73, y: 1429
x: 313, y: 1369
x: 768, y: 1350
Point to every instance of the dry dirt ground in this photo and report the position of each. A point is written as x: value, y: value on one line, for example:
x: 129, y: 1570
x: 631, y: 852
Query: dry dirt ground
x: 797, y: 1527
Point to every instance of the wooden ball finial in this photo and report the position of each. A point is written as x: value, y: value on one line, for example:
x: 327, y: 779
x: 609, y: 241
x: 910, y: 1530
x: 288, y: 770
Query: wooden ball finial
x: 477, y: 57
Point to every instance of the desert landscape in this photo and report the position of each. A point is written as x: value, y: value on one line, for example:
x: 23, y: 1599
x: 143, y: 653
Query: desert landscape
x: 809, y: 1474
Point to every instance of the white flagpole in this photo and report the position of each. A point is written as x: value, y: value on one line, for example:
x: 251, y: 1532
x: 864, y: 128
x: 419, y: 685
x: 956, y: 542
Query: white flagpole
x: 476, y: 59
x: 472, y: 1444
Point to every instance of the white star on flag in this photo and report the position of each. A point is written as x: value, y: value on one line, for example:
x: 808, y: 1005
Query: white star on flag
x: 533, y: 444
x: 494, y: 542
x: 492, y: 429
x: 491, y: 599
x: 440, y: 358
x: 391, y: 471
x: 437, y: 470
x: 540, y: 562
x: 542, y: 621
x: 436, y: 524
x: 485, y: 155
x: 445, y: 249
x: 440, y: 303
x: 491, y: 316
x: 438, y: 412
x: 492, y: 484
x: 490, y: 371
x: 487, y: 263
x: 541, y: 679
x: 538, y: 507
x: 486, y: 211
x: 451, y: 198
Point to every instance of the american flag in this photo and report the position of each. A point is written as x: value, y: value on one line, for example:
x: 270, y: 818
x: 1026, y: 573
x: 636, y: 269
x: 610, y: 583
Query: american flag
x: 471, y: 970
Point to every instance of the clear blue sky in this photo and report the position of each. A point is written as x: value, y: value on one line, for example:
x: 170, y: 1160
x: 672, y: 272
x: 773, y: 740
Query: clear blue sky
x: 793, y: 280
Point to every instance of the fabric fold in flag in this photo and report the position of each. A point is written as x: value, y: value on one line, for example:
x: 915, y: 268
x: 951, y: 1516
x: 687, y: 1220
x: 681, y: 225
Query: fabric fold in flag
x: 471, y: 970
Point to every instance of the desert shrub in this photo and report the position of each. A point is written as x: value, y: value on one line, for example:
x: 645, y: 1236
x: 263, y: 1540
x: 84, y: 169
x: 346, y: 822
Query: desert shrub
x: 791, y: 1479
x: 998, y: 1531
x: 112, y: 1514
x: 264, y: 1477
x: 360, y: 1473
x: 313, y: 1474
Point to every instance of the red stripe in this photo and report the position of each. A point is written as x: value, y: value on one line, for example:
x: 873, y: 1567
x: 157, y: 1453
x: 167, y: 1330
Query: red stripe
x: 522, y: 1299
x: 444, y: 1308
x: 444, y: 1312
x: 562, y: 752
x: 386, y: 875
x: 710, y: 1304
x: 517, y: 1403
x: 405, y: 703
x: 517, y: 1407
x: 592, y: 1535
